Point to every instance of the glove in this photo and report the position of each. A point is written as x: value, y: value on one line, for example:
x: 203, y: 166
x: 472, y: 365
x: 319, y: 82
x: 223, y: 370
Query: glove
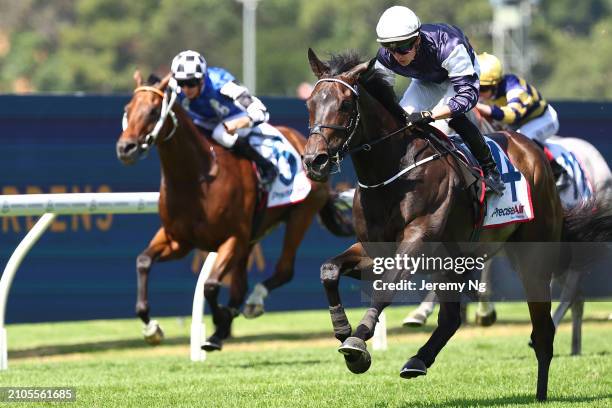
x: 417, y: 118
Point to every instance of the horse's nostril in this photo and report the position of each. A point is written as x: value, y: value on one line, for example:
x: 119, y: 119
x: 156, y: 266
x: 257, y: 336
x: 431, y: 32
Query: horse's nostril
x: 128, y: 147
x: 320, y: 160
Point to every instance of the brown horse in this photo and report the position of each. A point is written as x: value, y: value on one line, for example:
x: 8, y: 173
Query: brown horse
x: 208, y: 199
x: 412, y: 192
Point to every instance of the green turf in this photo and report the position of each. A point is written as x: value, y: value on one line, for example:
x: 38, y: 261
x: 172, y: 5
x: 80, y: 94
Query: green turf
x: 286, y: 360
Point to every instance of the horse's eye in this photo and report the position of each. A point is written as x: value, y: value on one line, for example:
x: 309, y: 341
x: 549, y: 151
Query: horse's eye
x: 155, y: 112
x: 346, y: 106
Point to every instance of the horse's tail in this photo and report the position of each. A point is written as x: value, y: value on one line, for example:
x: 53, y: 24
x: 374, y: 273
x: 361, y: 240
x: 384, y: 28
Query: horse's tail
x: 590, y: 222
x: 334, y: 217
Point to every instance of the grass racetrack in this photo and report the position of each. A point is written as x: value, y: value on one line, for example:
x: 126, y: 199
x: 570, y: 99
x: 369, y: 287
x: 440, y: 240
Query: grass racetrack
x: 290, y: 360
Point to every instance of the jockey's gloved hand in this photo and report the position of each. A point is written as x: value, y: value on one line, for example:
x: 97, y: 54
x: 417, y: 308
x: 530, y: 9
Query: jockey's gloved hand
x: 417, y: 118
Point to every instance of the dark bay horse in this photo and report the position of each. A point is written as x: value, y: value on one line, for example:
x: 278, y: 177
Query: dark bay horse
x: 208, y: 199
x: 411, y: 192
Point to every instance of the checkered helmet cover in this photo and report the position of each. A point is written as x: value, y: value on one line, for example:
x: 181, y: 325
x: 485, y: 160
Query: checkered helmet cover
x: 188, y: 64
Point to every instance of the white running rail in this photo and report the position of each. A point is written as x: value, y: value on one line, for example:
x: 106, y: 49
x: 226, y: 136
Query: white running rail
x: 51, y: 205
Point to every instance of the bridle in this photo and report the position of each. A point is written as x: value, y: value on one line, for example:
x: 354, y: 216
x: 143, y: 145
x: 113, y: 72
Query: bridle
x: 166, y: 110
x: 351, y: 129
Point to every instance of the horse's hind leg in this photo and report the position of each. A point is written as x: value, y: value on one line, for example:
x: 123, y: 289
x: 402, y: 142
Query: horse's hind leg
x: 536, y: 269
x: 299, y: 219
x: 161, y: 248
x: 419, y: 316
x: 485, y: 311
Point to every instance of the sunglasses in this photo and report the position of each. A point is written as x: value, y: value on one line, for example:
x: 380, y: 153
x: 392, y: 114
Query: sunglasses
x: 402, y: 48
x: 487, y: 88
x: 189, y: 83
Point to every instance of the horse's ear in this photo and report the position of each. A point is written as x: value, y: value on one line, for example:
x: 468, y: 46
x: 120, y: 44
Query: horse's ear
x: 358, y: 70
x: 137, y: 78
x: 164, y: 82
x: 319, y: 68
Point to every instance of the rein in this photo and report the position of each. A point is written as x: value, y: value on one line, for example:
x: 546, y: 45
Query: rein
x: 352, y: 128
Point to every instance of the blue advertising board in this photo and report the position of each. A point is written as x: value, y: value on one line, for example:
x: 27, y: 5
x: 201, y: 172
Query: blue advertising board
x: 84, y: 266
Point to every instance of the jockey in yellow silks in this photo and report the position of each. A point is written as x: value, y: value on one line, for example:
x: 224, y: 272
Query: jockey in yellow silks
x: 511, y: 100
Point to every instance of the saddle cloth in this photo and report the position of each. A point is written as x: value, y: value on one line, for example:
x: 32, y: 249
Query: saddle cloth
x: 515, y: 204
x: 577, y: 189
x: 291, y: 186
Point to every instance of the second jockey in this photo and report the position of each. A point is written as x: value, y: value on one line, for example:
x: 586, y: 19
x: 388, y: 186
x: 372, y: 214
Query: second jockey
x: 219, y: 104
x: 511, y: 100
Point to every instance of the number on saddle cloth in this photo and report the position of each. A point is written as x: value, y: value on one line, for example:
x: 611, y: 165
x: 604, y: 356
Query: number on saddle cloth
x: 512, y: 175
x: 274, y: 149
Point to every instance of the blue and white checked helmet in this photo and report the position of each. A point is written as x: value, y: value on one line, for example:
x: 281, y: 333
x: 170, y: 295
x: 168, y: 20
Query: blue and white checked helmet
x: 187, y: 65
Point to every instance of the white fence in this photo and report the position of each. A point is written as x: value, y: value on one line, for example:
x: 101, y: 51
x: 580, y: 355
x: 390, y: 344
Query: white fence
x: 51, y: 205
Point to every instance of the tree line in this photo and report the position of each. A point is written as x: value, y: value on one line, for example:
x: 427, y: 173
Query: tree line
x: 95, y: 45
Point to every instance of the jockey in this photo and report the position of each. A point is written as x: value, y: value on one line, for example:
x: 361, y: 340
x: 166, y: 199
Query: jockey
x: 444, y: 72
x: 511, y: 100
x: 226, y: 109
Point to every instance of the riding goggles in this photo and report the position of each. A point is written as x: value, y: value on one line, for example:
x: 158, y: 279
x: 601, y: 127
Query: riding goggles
x: 189, y: 83
x: 403, y: 47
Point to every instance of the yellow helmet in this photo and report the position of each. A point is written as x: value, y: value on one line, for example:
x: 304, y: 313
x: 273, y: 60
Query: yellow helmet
x: 490, y: 69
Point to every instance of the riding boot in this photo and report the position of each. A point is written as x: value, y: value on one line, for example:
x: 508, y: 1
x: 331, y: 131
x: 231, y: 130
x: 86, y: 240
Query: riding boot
x: 562, y: 179
x: 267, y: 170
x: 475, y: 141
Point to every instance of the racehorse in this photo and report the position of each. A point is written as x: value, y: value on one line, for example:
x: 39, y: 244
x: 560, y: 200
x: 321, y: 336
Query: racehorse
x: 411, y: 192
x: 208, y: 199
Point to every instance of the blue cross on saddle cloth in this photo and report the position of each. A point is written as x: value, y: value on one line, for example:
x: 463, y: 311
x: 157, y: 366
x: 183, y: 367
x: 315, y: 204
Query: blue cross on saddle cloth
x: 515, y: 204
x: 291, y: 186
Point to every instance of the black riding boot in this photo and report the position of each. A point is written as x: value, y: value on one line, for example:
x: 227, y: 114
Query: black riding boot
x: 267, y: 170
x: 475, y: 141
x: 562, y: 179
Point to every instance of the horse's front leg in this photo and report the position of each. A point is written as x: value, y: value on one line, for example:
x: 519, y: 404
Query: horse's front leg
x: 231, y: 256
x: 449, y: 320
x: 349, y: 263
x: 298, y: 221
x: 161, y: 248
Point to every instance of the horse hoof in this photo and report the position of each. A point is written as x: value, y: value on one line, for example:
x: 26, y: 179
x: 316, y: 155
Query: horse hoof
x: 253, y: 311
x: 153, y: 334
x: 486, y: 320
x: 212, y: 344
x: 413, y: 368
x: 356, y: 355
x: 415, y: 319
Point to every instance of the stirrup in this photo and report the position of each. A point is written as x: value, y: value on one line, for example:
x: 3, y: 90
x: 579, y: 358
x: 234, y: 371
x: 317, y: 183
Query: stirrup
x: 494, y: 184
x: 267, y: 178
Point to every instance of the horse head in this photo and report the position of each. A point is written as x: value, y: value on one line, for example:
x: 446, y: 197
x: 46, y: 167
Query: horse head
x: 145, y: 118
x: 333, y: 116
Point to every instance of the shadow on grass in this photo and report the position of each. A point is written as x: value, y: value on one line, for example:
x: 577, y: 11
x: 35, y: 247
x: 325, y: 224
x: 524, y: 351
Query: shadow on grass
x: 513, y: 400
x: 100, y: 346
x: 139, y: 343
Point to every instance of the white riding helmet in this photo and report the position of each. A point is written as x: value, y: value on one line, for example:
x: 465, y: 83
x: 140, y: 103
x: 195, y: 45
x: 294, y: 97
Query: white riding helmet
x: 397, y: 23
x: 187, y: 65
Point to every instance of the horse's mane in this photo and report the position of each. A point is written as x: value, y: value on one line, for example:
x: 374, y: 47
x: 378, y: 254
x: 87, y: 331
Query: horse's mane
x: 377, y: 83
x: 152, y: 80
